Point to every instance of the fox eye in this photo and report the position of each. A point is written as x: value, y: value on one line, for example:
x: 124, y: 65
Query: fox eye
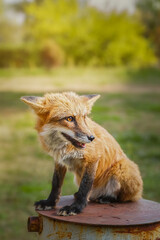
x: 69, y: 119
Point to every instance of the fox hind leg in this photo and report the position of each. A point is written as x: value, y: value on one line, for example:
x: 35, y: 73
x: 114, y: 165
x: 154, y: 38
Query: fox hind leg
x: 108, y: 193
x: 106, y: 199
x: 112, y: 190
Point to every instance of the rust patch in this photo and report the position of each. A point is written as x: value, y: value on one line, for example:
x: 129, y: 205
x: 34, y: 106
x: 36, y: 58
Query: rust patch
x: 54, y: 224
x: 65, y: 235
x: 49, y: 235
x: 139, y: 229
x: 35, y: 224
x: 99, y: 230
x: 81, y: 232
x: 61, y: 235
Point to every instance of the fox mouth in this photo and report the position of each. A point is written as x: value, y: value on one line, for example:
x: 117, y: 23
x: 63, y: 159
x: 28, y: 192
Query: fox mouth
x: 73, y: 141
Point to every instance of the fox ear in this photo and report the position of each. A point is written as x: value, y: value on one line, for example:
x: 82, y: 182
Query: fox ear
x: 90, y: 99
x: 36, y: 103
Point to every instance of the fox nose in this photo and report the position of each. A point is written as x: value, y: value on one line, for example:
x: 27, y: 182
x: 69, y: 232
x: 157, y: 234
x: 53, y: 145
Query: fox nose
x: 91, y: 138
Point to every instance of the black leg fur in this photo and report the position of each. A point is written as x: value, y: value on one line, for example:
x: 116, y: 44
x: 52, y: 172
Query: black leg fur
x: 81, y: 196
x: 107, y: 199
x: 57, y: 181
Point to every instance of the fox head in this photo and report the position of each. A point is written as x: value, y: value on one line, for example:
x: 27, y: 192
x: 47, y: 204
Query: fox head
x: 63, y: 115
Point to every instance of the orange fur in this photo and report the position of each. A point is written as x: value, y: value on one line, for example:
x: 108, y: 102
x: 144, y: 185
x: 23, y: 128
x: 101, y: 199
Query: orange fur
x: 113, y: 170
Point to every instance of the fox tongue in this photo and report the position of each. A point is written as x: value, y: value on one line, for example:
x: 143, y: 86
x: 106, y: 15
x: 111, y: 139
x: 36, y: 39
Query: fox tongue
x: 73, y: 141
x: 81, y: 145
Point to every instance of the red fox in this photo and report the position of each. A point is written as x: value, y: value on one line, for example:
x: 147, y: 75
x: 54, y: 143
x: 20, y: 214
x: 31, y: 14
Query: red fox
x: 102, y: 170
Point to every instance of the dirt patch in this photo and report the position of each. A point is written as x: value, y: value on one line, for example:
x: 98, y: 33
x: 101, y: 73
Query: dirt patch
x: 47, y: 84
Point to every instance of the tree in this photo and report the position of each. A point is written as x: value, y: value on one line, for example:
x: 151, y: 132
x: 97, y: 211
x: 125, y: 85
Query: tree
x: 150, y: 16
x: 89, y: 36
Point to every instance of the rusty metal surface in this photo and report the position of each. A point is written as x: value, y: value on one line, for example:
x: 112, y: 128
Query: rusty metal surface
x: 117, y: 214
x: 35, y: 224
x: 58, y: 230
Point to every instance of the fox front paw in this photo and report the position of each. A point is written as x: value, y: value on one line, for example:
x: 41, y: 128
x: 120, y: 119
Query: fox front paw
x: 69, y: 210
x: 44, y: 205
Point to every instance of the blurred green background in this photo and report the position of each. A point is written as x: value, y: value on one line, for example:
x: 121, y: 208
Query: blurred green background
x: 91, y: 46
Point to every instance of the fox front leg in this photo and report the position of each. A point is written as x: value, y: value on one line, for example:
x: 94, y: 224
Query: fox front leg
x: 81, y: 196
x: 58, y: 177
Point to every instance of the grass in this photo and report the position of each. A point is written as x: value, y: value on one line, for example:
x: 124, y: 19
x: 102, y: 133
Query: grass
x: 26, y: 171
x: 79, y: 79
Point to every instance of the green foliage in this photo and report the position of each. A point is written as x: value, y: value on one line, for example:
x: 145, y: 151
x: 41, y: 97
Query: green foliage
x: 150, y: 15
x: 88, y: 36
x: 46, y: 55
x: 56, y: 33
x: 18, y: 56
x: 51, y: 54
x: 7, y: 30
